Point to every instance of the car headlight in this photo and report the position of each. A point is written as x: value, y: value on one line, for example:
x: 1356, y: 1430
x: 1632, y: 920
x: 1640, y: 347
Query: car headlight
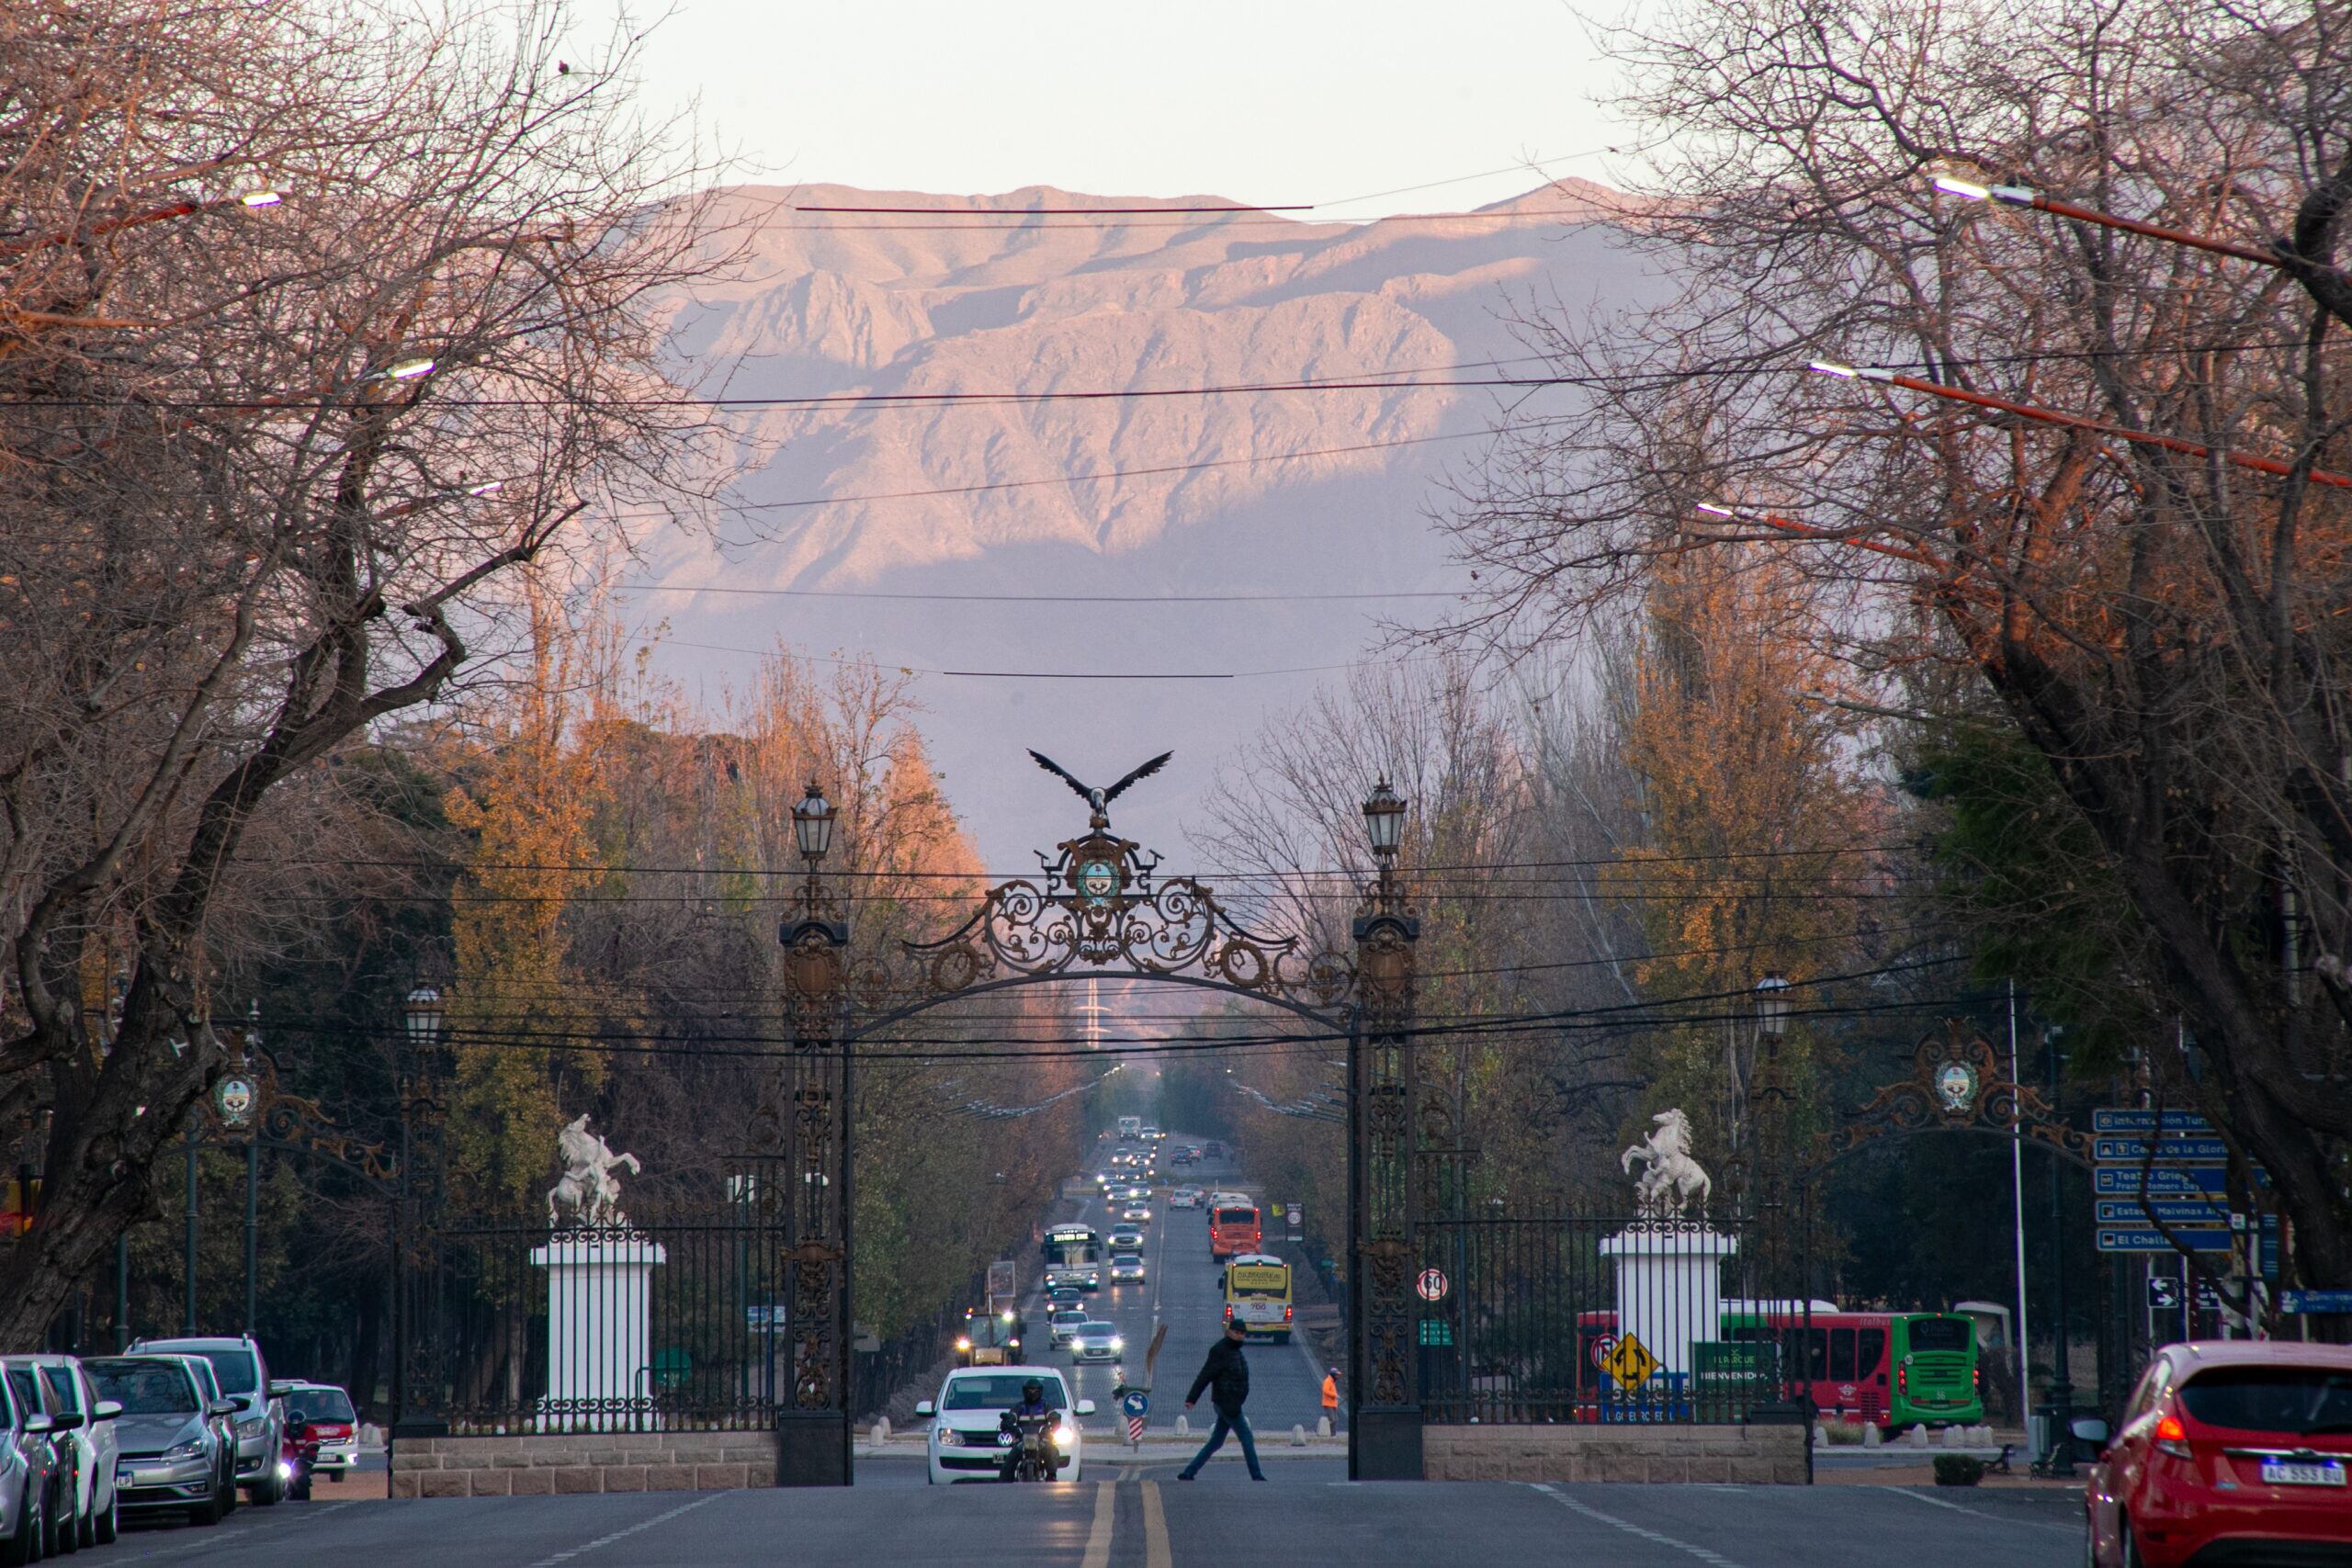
x: 949, y: 1438
x: 182, y: 1450
x: 253, y: 1426
x: 1117, y: 1343
x: 1064, y: 1437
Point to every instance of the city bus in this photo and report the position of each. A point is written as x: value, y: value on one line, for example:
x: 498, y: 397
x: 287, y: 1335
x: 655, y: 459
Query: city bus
x: 1233, y: 1227
x: 1257, y: 1295
x: 1892, y: 1369
x: 1073, y: 1256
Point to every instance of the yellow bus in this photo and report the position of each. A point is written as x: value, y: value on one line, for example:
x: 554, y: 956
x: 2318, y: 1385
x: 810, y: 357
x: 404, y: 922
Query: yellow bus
x: 1257, y: 1295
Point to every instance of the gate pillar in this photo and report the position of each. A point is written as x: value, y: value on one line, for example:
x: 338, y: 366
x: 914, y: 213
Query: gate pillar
x: 813, y: 1435
x: 1384, y: 1426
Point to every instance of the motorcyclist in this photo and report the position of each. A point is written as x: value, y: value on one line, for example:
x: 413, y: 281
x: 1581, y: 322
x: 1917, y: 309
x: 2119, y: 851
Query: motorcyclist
x: 1032, y: 1405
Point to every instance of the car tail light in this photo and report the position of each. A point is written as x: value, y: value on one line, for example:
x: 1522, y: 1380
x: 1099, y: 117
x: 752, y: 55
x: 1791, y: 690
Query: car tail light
x: 1903, y: 1379
x: 2172, y: 1437
x: 1976, y: 1377
x: 1228, y: 1312
x: 1286, y: 1314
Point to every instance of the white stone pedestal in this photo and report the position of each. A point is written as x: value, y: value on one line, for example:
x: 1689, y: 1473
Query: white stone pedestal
x: 1670, y: 1287
x: 599, y: 1331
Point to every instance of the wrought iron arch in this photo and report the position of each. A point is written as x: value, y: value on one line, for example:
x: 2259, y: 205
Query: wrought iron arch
x: 1099, y: 910
x: 1956, y: 1085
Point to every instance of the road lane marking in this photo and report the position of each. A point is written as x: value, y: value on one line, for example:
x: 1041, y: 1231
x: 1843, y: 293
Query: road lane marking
x: 1155, y: 1529
x: 1098, y: 1540
x: 1713, y: 1559
x: 236, y: 1539
x: 624, y: 1534
x: 1972, y: 1513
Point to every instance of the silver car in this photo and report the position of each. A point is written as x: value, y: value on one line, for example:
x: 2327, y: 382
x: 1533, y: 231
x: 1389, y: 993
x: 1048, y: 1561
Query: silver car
x: 85, y: 1436
x: 1096, y: 1342
x: 32, y: 1481
x: 177, y: 1450
x: 243, y: 1373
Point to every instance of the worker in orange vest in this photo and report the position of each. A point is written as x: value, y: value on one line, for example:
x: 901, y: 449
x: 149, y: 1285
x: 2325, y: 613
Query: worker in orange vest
x: 1331, y: 1397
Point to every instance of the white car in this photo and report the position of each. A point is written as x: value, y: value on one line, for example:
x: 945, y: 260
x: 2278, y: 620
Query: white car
x: 966, y: 1443
x: 1184, y: 1198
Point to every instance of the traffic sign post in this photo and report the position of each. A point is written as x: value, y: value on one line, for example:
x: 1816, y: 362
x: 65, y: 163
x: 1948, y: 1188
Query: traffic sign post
x: 1630, y: 1362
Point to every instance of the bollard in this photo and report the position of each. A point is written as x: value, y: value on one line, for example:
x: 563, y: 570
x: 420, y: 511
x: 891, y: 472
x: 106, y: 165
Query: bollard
x: 881, y: 1433
x: 1916, y: 1437
x: 1872, y: 1435
x: 1323, y: 1427
x: 1184, y: 1427
x: 1820, y: 1434
x: 885, y: 1424
x: 1298, y: 1435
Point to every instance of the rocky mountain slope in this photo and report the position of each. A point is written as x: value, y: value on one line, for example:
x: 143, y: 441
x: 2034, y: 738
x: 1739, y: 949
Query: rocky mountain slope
x: 1095, y: 501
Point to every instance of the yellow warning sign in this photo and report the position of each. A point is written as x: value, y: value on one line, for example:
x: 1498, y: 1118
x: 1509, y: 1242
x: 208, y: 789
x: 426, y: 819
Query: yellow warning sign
x: 1630, y: 1362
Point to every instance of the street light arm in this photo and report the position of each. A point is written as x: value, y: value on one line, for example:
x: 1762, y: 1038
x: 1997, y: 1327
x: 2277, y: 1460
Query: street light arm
x: 2026, y: 195
x: 2079, y: 422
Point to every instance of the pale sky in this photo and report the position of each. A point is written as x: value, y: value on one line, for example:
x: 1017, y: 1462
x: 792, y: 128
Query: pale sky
x: 1263, y: 101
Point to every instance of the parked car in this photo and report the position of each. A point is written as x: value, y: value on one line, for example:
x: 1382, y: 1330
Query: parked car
x: 32, y: 1478
x: 335, y: 1425
x: 178, y: 1449
x: 243, y: 1373
x: 2230, y: 1451
x: 88, y: 1441
x: 962, y: 1443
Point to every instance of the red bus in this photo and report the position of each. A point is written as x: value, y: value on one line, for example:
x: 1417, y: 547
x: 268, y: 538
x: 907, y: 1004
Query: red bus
x: 1233, y: 1228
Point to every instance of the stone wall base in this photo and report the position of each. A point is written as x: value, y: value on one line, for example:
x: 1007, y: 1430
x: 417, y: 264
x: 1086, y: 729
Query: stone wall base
x: 1759, y: 1455
x: 583, y: 1462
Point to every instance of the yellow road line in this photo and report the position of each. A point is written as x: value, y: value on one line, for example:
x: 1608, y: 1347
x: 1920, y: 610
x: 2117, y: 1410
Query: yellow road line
x: 1154, y: 1527
x: 1098, y: 1540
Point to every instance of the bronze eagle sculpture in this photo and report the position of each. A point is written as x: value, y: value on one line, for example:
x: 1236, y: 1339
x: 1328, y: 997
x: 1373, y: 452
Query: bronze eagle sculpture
x: 1100, y: 799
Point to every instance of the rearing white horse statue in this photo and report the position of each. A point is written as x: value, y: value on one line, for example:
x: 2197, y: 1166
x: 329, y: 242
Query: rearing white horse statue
x: 1666, y: 1189
x: 587, y: 1187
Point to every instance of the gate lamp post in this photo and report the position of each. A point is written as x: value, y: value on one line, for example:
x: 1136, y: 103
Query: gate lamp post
x: 812, y: 825
x: 1384, y: 822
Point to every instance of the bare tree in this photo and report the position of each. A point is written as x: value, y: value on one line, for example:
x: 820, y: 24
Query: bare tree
x: 314, y: 322
x: 2110, y: 491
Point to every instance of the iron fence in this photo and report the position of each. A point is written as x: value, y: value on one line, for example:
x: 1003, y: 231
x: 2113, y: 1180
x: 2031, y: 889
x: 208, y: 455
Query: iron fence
x: 1551, y: 1315
x: 659, y: 1324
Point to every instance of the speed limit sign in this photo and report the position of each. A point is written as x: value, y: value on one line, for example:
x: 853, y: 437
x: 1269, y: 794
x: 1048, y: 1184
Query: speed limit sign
x: 1431, y: 1285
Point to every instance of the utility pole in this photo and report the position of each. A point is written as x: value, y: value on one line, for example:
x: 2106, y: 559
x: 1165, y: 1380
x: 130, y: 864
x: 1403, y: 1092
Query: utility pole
x: 2062, y: 1382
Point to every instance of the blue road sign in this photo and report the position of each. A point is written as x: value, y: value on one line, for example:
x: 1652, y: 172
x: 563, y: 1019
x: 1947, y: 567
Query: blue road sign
x: 2126, y: 1238
x: 2171, y: 1210
x: 2314, y: 1301
x: 2171, y: 1149
x: 2112, y: 1118
x: 2164, y: 1181
x: 1137, y: 1405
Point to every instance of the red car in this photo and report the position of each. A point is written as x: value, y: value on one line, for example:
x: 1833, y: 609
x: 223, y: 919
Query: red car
x: 2232, y: 1451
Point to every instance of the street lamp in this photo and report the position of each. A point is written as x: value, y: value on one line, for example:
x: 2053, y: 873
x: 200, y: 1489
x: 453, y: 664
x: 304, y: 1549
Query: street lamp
x: 423, y: 1019
x: 812, y: 824
x: 1384, y: 822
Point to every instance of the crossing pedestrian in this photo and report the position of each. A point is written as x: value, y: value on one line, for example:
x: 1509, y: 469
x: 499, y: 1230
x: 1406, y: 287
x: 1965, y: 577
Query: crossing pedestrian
x: 1331, y: 1397
x: 1226, y: 1377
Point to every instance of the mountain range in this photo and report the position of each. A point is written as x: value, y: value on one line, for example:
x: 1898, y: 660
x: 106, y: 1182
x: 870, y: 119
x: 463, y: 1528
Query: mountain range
x: 1028, y: 473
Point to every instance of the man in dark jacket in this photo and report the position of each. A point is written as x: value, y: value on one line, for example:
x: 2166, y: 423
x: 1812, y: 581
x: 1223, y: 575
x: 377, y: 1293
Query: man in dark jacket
x: 1226, y: 1377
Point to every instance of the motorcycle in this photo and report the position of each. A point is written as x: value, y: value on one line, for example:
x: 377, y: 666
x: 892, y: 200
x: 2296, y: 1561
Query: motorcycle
x: 296, y: 1460
x: 1033, y: 1456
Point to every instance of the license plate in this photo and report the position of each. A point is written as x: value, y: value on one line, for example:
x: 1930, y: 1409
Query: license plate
x: 2278, y: 1473
x: 124, y: 1475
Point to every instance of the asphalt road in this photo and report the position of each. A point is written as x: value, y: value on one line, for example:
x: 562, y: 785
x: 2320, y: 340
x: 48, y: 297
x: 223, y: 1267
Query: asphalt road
x: 1184, y: 1290
x: 1305, y: 1516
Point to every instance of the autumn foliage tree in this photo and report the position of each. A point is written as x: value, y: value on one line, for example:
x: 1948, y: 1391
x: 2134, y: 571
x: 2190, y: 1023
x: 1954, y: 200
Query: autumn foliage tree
x: 2150, y: 590
x: 315, y: 322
